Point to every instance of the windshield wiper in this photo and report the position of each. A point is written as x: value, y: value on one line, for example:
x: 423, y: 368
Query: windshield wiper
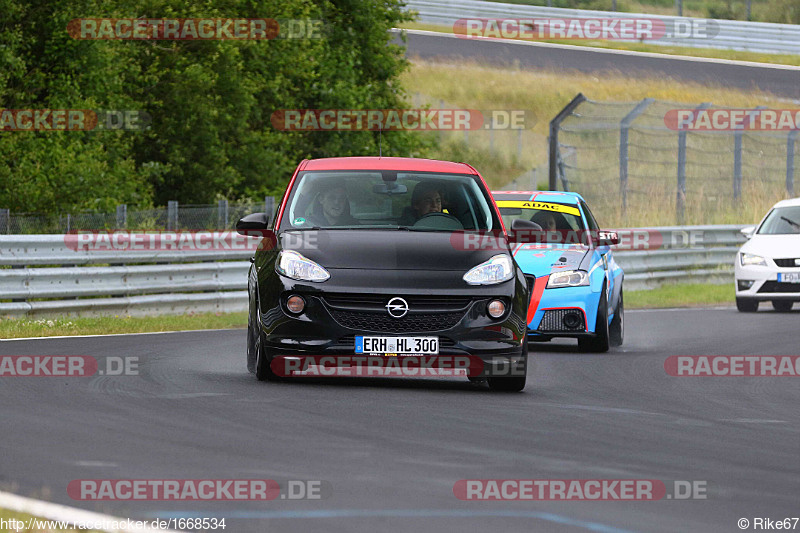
x: 792, y: 222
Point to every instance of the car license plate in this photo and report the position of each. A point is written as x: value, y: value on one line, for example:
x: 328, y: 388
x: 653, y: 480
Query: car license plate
x: 789, y: 277
x: 397, y: 345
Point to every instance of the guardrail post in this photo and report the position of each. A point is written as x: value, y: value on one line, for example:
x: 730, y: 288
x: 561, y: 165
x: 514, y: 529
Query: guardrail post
x: 222, y: 215
x: 5, y: 221
x: 624, y: 126
x: 172, y: 215
x: 269, y: 206
x: 790, y: 140
x: 555, y: 124
x: 737, y: 155
x: 680, y: 199
x: 122, y: 216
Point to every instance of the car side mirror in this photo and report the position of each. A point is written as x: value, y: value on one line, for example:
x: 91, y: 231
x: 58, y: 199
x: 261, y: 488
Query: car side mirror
x: 748, y: 231
x: 253, y: 225
x: 607, y: 238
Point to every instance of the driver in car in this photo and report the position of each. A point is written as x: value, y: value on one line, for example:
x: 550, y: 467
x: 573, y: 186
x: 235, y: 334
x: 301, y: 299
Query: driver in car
x: 426, y: 198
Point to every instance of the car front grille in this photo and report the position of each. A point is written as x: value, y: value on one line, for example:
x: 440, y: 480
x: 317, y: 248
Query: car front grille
x: 553, y: 320
x: 787, y: 262
x: 377, y: 302
x: 381, y: 322
x: 779, y: 287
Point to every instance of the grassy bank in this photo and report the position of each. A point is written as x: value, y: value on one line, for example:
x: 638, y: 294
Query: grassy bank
x: 543, y: 93
x: 681, y: 295
x: 57, y: 326
x: 715, y: 53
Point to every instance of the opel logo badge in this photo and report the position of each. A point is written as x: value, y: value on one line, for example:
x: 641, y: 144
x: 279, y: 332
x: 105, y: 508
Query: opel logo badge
x: 397, y: 307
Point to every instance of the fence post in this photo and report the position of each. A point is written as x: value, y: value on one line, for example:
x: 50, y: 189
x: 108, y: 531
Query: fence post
x: 737, y: 155
x: 5, y: 221
x: 172, y: 215
x: 222, y: 214
x: 269, y: 206
x: 790, y: 140
x: 122, y: 216
x: 624, y: 126
x: 555, y: 124
x: 680, y: 200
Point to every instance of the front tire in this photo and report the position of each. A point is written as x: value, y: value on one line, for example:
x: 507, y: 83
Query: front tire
x: 782, y: 306
x: 513, y: 383
x: 600, y: 342
x: 746, y: 305
x: 616, y: 331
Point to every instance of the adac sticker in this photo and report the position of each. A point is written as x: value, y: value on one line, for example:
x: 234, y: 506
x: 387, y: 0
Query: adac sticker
x: 542, y: 206
x: 299, y: 221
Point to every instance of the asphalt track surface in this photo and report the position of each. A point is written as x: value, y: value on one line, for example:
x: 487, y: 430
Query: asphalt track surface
x: 392, y: 449
x: 781, y: 81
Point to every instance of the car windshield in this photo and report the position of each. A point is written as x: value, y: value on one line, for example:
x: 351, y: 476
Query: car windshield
x: 781, y: 221
x: 552, y: 217
x: 416, y: 201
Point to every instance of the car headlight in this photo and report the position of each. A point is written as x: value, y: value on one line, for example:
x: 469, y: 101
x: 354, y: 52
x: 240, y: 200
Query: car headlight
x: 568, y: 278
x: 496, y: 270
x: 294, y: 265
x: 752, y: 260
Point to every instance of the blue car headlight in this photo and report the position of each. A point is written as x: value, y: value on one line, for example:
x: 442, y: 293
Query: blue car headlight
x: 568, y: 278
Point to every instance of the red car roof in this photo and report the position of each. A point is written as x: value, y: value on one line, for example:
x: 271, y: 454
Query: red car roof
x: 387, y: 163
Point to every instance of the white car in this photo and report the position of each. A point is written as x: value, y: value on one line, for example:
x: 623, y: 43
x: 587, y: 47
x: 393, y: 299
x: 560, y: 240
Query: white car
x: 768, y: 264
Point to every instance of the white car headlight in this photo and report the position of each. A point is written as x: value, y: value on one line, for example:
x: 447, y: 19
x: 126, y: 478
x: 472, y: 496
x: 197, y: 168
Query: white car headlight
x: 568, y: 278
x: 294, y: 265
x: 496, y: 270
x: 752, y: 260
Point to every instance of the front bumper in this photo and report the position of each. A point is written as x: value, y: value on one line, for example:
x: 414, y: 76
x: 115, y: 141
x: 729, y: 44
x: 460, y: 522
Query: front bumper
x: 547, y: 321
x: 326, y: 329
x: 765, y: 285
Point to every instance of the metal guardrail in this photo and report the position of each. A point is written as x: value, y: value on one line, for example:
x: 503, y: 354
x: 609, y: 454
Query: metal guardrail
x: 732, y: 34
x: 34, y: 280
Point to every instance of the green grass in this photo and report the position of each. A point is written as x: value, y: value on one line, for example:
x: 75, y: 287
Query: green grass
x: 681, y: 295
x: 716, y: 53
x: 48, y: 327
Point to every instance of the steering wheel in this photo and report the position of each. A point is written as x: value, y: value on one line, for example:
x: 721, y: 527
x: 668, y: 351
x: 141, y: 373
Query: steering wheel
x: 439, y: 220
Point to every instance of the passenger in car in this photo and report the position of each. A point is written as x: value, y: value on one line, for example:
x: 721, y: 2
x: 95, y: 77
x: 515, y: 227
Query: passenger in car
x: 332, y: 208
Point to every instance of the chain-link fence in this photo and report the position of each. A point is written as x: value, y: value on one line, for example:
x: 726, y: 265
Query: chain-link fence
x: 220, y: 216
x: 637, y: 163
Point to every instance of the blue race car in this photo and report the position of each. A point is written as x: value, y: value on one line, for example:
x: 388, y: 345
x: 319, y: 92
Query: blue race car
x: 574, y: 282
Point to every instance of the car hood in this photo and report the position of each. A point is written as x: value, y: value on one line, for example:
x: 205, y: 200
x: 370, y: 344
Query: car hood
x: 386, y: 249
x: 543, y: 259
x: 773, y: 246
